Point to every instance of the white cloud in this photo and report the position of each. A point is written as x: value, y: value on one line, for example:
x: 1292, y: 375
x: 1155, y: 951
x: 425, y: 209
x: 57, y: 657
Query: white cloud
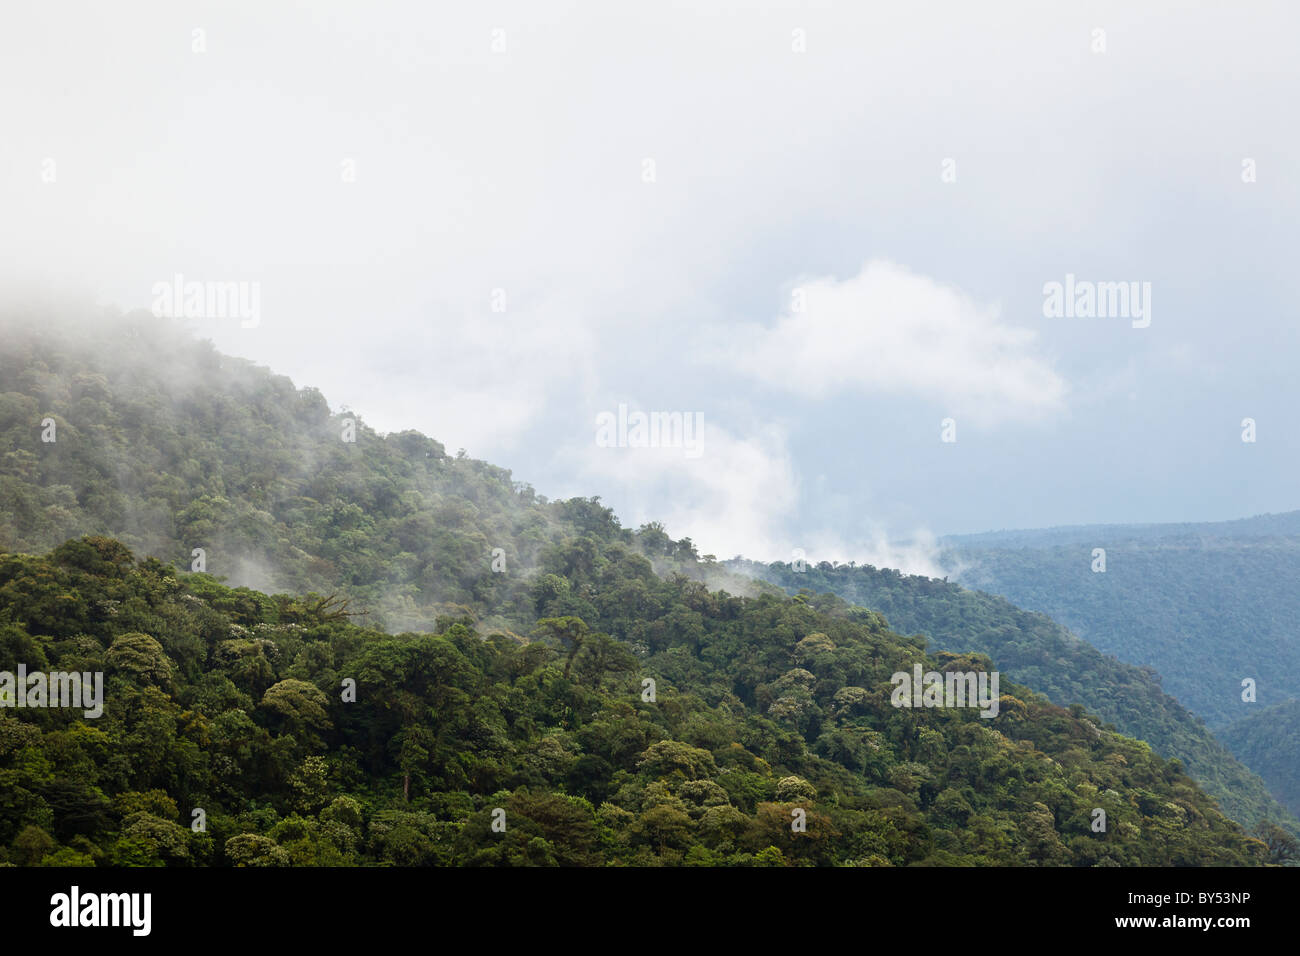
x: 486, y: 376
x: 917, y: 554
x: 890, y: 330
x: 740, y: 497
x: 735, y: 498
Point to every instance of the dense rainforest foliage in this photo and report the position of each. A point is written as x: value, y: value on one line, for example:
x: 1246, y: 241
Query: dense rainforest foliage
x: 1208, y: 605
x: 766, y: 711
x: 499, y: 643
x: 1035, y: 650
x: 169, y: 446
x: 1269, y: 739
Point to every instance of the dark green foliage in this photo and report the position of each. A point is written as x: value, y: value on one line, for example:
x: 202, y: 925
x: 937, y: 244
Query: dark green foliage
x: 1268, y: 742
x: 1034, y: 650
x: 519, y: 690
x: 1207, y: 605
x: 765, y: 709
x: 169, y: 446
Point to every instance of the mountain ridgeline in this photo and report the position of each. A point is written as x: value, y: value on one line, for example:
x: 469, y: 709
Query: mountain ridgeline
x: 1269, y: 740
x: 1207, y: 605
x: 171, y: 447
x: 396, y: 656
x: 1214, y: 607
x: 1033, y: 649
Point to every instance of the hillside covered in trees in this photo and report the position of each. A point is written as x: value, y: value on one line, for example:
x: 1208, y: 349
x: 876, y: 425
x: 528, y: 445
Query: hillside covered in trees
x: 497, y: 646
x: 169, y: 446
x: 1210, y: 606
x: 765, y: 711
x: 1206, y: 605
x: 1269, y: 739
x: 1035, y: 650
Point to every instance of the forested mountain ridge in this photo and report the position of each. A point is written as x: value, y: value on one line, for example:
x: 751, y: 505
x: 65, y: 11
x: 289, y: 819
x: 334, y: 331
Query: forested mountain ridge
x: 1269, y: 740
x: 229, y: 700
x: 1214, y: 607
x: 1035, y: 650
x: 1258, y: 527
x: 1205, y: 609
x: 456, y: 749
x: 169, y: 446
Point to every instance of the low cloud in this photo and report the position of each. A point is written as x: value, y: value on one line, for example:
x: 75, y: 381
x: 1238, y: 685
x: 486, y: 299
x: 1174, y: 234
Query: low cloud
x: 890, y: 330
x: 734, y: 498
x: 741, y: 496
x: 917, y: 554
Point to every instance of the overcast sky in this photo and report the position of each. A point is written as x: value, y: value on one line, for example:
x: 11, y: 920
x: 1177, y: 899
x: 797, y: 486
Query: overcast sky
x: 825, y: 228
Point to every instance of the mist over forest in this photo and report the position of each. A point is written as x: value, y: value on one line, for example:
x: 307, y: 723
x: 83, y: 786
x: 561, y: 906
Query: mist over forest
x: 648, y: 441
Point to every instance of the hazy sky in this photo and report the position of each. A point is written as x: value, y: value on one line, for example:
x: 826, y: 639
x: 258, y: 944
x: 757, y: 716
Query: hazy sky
x: 852, y: 212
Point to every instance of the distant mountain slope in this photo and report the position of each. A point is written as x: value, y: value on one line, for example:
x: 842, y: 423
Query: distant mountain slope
x: 1268, y: 741
x: 1206, y: 605
x: 1285, y: 525
x: 1034, y: 649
